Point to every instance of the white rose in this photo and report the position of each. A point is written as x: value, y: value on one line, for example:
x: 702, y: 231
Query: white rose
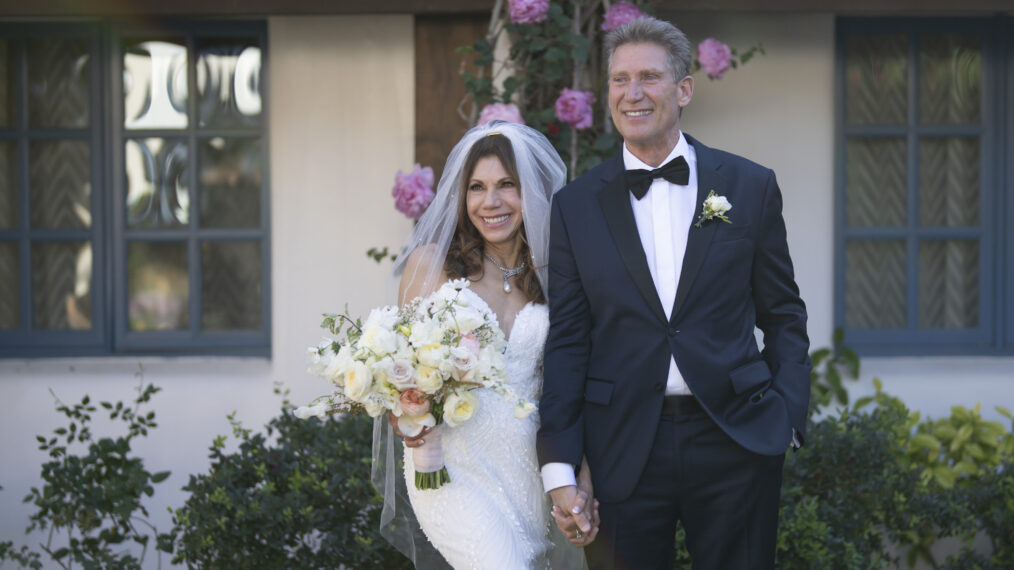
x: 358, y: 382
x: 432, y: 355
x: 426, y: 332
x: 383, y: 317
x: 464, y: 361
x: 429, y: 379
x: 523, y: 409
x: 338, y: 366
x: 718, y: 204
x: 401, y: 374
x: 413, y: 425
x: 460, y: 407
x: 380, y: 340
x: 468, y: 319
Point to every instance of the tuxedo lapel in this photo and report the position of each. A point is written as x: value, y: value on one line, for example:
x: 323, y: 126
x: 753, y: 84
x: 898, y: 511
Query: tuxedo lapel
x: 698, y: 238
x: 615, y: 201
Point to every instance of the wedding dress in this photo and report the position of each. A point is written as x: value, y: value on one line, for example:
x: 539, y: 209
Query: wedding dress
x: 494, y: 512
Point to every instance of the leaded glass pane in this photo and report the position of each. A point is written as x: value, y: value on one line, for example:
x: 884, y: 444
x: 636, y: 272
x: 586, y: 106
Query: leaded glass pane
x: 875, y: 182
x: 950, y: 79
x: 230, y: 183
x: 229, y: 82
x: 62, y: 285
x: 158, y: 286
x: 158, y: 189
x: 876, y: 79
x: 875, y: 284
x: 231, y: 295
x: 155, y: 85
x: 8, y: 186
x: 7, y: 83
x: 60, y: 184
x: 10, y: 289
x: 58, y: 79
x: 949, y: 181
x: 949, y: 284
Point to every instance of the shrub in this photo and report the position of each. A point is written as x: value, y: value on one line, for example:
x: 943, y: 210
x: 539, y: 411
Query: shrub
x: 297, y: 496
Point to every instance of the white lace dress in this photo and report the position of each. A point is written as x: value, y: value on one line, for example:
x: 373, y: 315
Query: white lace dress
x: 494, y: 513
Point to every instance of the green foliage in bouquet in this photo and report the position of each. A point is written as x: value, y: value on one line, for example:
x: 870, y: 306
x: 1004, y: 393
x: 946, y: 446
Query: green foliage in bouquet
x: 91, y: 503
x: 296, y: 496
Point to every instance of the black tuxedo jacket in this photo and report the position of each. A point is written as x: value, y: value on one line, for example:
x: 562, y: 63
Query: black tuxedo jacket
x: 609, y: 344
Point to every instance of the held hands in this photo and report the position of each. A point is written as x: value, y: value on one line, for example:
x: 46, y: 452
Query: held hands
x: 576, y: 511
x: 416, y: 441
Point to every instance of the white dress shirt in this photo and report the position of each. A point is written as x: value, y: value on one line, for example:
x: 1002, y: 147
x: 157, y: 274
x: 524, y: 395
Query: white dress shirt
x: 663, y: 218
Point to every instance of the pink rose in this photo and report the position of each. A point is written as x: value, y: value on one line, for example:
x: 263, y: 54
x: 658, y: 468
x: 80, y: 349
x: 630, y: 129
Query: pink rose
x: 414, y: 402
x: 528, y: 11
x: 503, y: 111
x: 470, y: 342
x: 620, y: 13
x: 575, y: 108
x: 715, y: 57
x: 413, y: 192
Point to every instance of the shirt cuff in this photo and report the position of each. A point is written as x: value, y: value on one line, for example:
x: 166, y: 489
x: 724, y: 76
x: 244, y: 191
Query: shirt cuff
x: 556, y: 475
x: 795, y: 441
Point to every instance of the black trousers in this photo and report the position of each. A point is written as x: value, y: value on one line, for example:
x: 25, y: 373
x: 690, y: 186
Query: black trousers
x: 725, y: 496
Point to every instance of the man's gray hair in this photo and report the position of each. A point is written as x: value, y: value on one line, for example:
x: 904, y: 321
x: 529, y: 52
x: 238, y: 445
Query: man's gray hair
x: 653, y: 31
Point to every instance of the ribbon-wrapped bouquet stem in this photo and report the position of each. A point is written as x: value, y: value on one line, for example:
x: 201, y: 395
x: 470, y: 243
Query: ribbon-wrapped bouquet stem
x: 421, y: 362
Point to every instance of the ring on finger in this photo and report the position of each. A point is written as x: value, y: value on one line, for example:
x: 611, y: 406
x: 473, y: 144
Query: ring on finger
x: 579, y: 535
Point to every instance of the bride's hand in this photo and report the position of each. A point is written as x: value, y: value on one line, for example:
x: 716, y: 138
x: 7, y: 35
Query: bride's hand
x: 409, y: 441
x: 591, y: 505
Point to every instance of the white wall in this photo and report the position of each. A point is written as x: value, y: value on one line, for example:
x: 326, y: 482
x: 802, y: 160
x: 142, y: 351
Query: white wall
x: 778, y: 110
x: 341, y: 123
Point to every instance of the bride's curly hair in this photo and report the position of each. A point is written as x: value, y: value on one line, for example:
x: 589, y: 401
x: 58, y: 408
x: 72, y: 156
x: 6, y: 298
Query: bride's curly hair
x: 464, y: 255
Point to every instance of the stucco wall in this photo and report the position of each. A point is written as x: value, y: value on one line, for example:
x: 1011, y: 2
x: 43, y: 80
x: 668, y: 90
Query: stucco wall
x: 341, y: 123
x: 778, y: 110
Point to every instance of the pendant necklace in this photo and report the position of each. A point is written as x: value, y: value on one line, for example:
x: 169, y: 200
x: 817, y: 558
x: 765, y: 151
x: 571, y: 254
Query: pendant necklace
x: 507, y: 273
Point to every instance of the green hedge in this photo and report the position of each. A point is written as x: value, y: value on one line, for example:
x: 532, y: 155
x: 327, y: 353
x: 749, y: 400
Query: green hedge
x: 872, y: 480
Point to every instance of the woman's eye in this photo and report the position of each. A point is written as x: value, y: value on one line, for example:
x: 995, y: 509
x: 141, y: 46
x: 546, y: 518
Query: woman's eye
x: 475, y: 187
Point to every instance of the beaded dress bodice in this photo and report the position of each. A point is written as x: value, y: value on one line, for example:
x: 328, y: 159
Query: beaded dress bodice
x: 494, y: 510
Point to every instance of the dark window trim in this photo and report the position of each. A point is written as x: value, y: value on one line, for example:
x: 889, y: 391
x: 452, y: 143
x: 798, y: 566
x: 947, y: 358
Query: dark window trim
x: 987, y: 338
x: 108, y: 338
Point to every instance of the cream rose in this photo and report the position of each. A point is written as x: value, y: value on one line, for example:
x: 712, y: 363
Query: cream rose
x: 429, y: 379
x: 379, y: 340
x: 432, y: 355
x: 358, y: 381
x: 460, y: 407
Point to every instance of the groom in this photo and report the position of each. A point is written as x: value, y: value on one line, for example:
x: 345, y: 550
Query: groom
x: 652, y: 370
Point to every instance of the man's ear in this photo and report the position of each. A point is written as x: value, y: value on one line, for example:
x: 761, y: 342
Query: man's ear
x: 686, y: 90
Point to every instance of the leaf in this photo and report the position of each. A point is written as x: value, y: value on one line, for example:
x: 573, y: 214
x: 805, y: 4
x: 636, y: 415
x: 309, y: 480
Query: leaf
x: 160, y: 476
x: 877, y: 384
x: 927, y: 441
x: 1004, y: 412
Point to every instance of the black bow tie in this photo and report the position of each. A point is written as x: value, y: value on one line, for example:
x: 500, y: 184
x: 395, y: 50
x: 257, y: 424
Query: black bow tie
x: 676, y: 171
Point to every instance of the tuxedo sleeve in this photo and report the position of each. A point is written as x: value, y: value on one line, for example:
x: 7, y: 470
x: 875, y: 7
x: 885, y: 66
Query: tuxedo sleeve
x: 561, y: 408
x: 781, y: 314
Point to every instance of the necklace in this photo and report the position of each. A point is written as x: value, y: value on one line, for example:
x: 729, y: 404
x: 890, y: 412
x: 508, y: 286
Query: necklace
x: 507, y: 273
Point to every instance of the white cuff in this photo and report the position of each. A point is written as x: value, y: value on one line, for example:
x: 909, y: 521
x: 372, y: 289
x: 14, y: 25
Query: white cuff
x: 555, y: 475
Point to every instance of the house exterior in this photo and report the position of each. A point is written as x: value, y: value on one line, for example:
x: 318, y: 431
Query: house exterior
x: 889, y: 123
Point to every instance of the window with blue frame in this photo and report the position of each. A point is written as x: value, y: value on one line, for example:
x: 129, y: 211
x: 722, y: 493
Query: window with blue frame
x: 133, y: 190
x: 922, y: 186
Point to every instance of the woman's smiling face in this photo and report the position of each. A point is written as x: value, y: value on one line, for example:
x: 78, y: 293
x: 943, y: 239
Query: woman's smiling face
x: 493, y: 201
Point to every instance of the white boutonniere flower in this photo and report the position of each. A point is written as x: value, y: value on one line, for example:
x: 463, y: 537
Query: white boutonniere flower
x: 714, y: 207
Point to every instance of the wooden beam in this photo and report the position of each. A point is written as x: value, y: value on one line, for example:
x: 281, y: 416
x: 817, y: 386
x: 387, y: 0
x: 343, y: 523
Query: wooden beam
x: 259, y: 8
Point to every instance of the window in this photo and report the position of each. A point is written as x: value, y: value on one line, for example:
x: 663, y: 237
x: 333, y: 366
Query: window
x: 136, y: 222
x: 921, y: 190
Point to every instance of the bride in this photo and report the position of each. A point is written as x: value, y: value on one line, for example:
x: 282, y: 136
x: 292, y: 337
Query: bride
x: 489, y: 223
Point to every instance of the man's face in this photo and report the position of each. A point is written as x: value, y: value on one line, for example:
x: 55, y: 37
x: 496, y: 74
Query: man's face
x: 645, y: 99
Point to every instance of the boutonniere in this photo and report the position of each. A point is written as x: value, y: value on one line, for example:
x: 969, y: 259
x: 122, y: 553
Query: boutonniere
x: 714, y: 207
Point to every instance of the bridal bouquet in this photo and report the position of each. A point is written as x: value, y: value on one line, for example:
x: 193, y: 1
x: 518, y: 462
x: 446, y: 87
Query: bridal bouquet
x: 421, y: 362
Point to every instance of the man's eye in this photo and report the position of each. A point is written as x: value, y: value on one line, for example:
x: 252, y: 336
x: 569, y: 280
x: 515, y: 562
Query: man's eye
x: 619, y: 80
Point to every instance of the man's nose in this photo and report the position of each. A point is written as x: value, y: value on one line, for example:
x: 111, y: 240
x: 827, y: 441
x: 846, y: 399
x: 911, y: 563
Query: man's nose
x: 634, y: 90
